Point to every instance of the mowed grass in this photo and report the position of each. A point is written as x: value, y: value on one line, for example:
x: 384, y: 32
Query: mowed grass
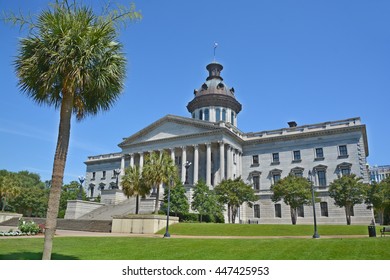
x: 246, y: 247
x: 209, y: 229
x: 140, y: 248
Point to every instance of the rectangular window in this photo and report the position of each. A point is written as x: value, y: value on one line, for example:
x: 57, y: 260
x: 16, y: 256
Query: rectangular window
x: 345, y: 171
x: 343, y: 152
x: 298, y: 174
x: 104, y: 175
x: 255, y: 160
x: 256, y: 211
x: 319, y: 153
x: 256, y: 182
x: 276, y: 178
x: 93, y: 175
x: 278, y: 210
x: 300, y: 211
x: 297, y: 155
x: 321, y: 178
x: 217, y: 115
x: 324, y: 209
x: 275, y: 158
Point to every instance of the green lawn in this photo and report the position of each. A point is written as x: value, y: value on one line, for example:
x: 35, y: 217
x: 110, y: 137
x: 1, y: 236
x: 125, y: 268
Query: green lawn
x: 140, y: 248
x: 209, y: 229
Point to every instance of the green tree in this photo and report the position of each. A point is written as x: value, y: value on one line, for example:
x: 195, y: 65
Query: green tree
x: 294, y: 191
x: 71, y: 60
x: 178, y: 201
x: 158, y: 169
x: 134, y: 185
x: 31, y: 201
x: 234, y: 193
x: 205, y: 201
x: 348, y: 191
x: 9, y: 188
x: 378, y: 197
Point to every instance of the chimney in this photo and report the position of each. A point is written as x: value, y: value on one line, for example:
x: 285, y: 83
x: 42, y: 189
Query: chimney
x: 292, y: 124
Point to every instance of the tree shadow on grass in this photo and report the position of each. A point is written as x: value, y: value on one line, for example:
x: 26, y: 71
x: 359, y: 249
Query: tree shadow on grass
x: 34, y: 256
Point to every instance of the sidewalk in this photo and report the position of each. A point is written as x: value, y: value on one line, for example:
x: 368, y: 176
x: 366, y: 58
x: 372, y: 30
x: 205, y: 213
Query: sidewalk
x: 71, y: 233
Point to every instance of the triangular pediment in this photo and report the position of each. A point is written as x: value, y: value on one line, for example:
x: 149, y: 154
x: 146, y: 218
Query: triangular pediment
x: 170, y: 127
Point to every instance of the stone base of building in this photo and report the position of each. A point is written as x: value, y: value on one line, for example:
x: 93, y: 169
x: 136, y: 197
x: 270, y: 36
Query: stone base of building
x: 144, y: 224
x: 309, y: 221
x: 113, y: 196
x: 78, y: 208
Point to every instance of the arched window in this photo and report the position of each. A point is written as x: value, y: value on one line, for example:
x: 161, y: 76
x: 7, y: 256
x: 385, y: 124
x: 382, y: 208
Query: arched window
x: 224, y: 115
x: 232, y: 118
x: 206, y: 114
x: 217, y: 114
x: 201, y: 114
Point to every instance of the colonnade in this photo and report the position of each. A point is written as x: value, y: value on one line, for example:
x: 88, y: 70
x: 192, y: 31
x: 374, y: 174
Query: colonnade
x: 212, y: 162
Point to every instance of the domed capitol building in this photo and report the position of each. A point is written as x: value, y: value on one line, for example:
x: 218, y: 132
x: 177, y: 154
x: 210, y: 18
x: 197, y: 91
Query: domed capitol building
x: 215, y: 149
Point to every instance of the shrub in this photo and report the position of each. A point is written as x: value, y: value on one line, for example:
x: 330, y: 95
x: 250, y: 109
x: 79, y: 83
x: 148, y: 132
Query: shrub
x: 28, y: 227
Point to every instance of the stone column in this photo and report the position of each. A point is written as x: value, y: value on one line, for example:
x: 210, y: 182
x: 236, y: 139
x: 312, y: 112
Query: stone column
x: 221, y: 160
x: 208, y: 164
x: 123, y: 165
x: 196, y: 163
x: 141, y: 161
x: 131, y: 160
x: 183, y: 162
x: 229, y: 159
x: 173, y: 155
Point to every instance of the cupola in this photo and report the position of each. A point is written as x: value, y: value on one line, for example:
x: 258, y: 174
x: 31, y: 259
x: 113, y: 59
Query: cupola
x: 214, y: 101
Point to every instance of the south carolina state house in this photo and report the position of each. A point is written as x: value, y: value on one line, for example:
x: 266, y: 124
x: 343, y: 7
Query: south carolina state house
x: 211, y: 142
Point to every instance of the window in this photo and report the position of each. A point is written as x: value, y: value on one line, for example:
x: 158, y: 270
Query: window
x: 319, y: 153
x: 93, y: 175
x: 104, y: 175
x: 224, y: 115
x: 201, y: 114
x: 256, y: 182
x: 321, y: 178
x: 256, y: 211
x: 232, y: 118
x: 255, y: 160
x: 275, y: 158
x: 206, y: 114
x: 298, y: 173
x: 193, y: 115
x: 300, y: 211
x: 276, y: 177
x: 278, y: 210
x: 324, y: 209
x: 345, y: 171
x: 297, y: 156
x: 217, y: 114
x: 343, y: 151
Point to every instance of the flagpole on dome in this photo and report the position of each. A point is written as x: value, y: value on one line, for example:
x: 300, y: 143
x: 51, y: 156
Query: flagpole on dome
x: 215, y: 46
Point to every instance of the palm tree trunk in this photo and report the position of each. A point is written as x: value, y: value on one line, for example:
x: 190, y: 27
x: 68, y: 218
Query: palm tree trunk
x: 156, y: 204
x: 137, y: 204
x: 58, y: 173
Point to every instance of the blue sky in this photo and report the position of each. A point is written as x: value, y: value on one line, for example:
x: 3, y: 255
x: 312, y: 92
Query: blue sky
x: 303, y: 60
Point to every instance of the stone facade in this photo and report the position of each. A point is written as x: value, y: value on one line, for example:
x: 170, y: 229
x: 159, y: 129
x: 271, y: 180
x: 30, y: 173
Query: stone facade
x: 218, y: 150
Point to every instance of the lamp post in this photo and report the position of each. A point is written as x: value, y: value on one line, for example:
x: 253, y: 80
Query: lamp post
x: 79, y: 195
x: 315, y: 235
x: 166, y: 234
x: 116, y: 173
x: 187, y: 165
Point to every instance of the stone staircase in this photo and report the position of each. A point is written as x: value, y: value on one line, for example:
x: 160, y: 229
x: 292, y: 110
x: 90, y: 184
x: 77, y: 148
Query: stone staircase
x: 107, y: 212
x: 67, y: 224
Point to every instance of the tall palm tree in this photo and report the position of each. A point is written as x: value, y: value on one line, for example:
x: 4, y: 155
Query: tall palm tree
x: 133, y: 185
x: 70, y: 60
x: 159, y: 169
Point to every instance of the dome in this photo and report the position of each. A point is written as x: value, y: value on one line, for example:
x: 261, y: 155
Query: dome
x: 214, y: 92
